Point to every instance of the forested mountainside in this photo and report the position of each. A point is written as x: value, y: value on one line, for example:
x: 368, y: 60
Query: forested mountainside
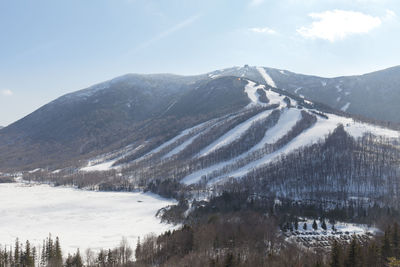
x: 129, y: 109
x: 276, y: 145
x: 152, y: 108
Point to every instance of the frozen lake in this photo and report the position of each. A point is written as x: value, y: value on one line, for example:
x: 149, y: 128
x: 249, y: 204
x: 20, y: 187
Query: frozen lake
x: 81, y: 219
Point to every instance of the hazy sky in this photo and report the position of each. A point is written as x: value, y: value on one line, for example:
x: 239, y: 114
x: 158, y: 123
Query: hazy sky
x: 52, y: 47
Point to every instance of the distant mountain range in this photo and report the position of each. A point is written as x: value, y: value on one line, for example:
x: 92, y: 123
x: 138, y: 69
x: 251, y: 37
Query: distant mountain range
x: 139, y: 113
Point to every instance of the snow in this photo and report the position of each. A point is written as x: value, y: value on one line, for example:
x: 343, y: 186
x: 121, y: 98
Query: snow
x: 286, y: 121
x: 35, y: 170
x: 338, y: 99
x: 105, y: 162
x: 251, y: 90
x: 323, y: 83
x: 351, y: 228
x: 181, y: 147
x: 195, y: 177
x: 298, y: 89
x: 233, y: 134
x: 339, y: 89
x: 81, y: 219
x: 310, y: 136
x: 105, y: 166
x: 213, y: 76
x: 345, y: 107
x: 275, y: 98
x: 182, y: 134
x: 266, y: 77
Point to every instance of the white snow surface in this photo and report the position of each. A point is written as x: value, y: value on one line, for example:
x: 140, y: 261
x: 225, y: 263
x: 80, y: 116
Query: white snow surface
x: 81, y: 219
x: 287, y: 120
x: 343, y: 227
x: 275, y: 98
x: 233, y: 134
x: 251, y: 90
x: 339, y: 89
x: 345, y: 107
x: 298, y: 89
x: 105, y: 166
x: 266, y: 77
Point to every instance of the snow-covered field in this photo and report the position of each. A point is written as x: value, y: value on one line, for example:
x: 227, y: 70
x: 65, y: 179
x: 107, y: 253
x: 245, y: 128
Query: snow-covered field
x: 80, y: 218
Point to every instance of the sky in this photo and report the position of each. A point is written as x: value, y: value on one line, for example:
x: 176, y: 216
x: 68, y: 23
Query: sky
x: 52, y: 47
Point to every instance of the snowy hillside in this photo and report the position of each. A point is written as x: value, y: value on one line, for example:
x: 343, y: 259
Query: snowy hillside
x: 236, y: 144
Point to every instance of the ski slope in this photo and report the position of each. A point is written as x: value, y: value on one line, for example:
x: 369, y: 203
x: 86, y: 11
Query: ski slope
x: 288, y: 119
x: 266, y: 77
x: 233, y: 134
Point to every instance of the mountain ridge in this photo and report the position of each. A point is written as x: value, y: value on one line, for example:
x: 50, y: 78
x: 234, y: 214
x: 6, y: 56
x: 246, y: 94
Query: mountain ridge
x: 146, y: 108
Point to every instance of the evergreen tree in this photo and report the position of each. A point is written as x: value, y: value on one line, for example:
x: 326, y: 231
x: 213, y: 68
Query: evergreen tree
x: 296, y: 224
x: 315, y: 225
x: 69, y: 261
x: 16, y: 253
x: 34, y: 255
x: 27, y: 256
x: 110, y: 258
x: 77, y: 260
x: 323, y: 225
x: 138, y: 249
x: 58, y: 260
x: 305, y: 226
x: 43, y: 258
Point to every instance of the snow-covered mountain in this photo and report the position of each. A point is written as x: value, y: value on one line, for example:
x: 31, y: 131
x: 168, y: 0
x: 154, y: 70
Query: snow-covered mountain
x: 270, y: 126
x: 132, y: 117
x: 374, y: 95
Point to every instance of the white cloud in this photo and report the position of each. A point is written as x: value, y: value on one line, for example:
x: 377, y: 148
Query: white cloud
x: 7, y: 92
x: 265, y: 30
x: 338, y: 24
x: 390, y: 14
x: 254, y: 3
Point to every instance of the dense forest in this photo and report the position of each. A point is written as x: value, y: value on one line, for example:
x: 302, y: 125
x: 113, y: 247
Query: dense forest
x: 226, y: 240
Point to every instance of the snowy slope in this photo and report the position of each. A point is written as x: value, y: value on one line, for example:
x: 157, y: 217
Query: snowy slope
x: 233, y: 134
x: 266, y: 77
x: 289, y: 117
x: 310, y: 136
